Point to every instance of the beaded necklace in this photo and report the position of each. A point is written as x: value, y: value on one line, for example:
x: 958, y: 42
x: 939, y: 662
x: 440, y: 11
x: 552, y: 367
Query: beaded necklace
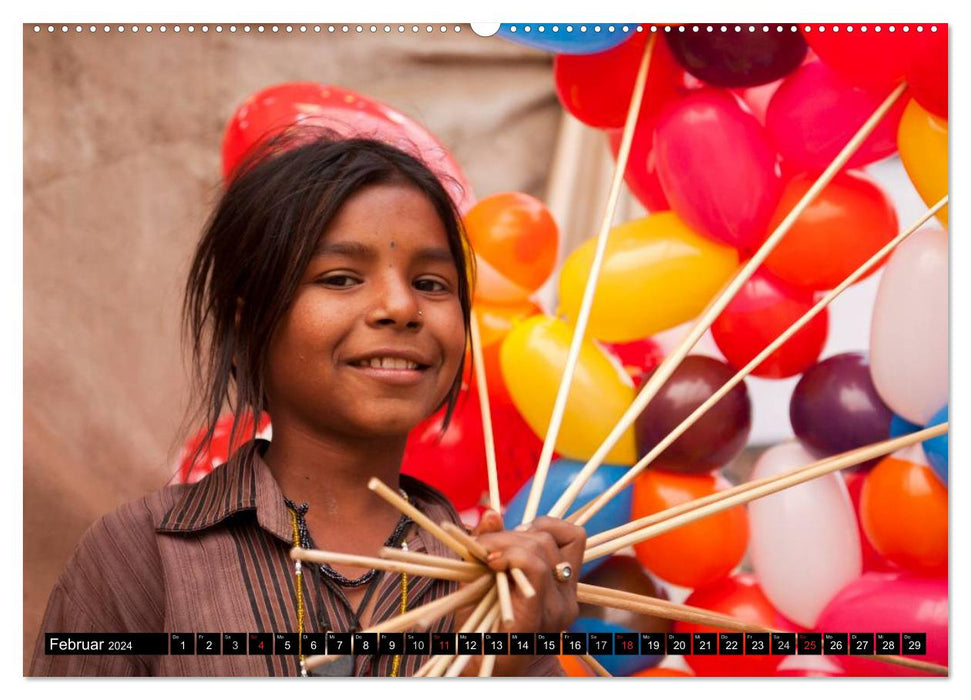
x: 301, y: 538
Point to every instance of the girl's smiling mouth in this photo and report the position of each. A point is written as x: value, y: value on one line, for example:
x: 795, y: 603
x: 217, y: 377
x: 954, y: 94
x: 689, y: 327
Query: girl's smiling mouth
x: 392, y: 366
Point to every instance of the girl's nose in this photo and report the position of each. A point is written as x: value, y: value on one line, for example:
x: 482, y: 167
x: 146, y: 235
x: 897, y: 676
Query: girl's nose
x: 395, y: 304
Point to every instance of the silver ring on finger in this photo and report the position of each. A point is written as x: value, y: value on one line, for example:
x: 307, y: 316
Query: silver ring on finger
x: 563, y: 571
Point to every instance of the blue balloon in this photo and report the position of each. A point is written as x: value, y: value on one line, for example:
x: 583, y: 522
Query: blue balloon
x: 561, y: 474
x: 569, y: 38
x: 900, y: 426
x: 936, y: 448
x: 616, y: 664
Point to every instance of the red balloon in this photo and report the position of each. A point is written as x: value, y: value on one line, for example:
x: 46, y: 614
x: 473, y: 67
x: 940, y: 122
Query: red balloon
x: 455, y: 462
x: 219, y: 450
x: 277, y: 108
x: 763, y: 308
x: 849, y: 221
x: 814, y: 114
x: 641, y: 174
x: 927, y: 70
x: 717, y: 168
x: 597, y: 88
x: 871, y: 58
x: 639, y: 357
x: 741, y: 597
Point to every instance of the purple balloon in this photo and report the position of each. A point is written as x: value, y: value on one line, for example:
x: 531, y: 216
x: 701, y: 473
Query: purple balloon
x: 835, y: 406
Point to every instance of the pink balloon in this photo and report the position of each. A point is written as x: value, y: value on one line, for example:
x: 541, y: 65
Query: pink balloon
x: 717, y: 168
x: 890, y: 602
x: 815, y: 112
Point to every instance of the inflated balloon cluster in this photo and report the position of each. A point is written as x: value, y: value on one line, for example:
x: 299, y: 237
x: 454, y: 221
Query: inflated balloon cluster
x: 733, y: 131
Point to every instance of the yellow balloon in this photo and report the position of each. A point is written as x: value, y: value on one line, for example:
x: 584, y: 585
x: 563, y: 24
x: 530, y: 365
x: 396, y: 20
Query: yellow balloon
x: 922, y: 142
x: 533, y: 357
x: 657, y: 273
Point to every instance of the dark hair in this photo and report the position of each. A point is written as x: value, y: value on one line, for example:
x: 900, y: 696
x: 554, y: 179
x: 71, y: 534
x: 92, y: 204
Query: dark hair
x: 260, y: 239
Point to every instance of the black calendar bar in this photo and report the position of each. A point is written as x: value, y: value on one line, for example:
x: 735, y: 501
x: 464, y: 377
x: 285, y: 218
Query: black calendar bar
x: 490, y: 643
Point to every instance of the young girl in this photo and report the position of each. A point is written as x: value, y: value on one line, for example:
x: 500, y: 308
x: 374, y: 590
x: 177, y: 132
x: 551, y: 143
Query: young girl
x: 331, y: 289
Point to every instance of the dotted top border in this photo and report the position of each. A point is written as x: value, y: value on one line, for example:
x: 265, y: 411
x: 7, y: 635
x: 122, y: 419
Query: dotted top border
x: 442, y: 28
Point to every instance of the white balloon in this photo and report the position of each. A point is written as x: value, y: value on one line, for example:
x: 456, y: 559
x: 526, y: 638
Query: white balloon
x: 804, y: 541
x: 908, y: 336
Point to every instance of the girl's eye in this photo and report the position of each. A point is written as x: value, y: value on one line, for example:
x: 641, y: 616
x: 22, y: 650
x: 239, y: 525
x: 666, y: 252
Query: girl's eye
x: 339, y: 281
x: 428, y: 284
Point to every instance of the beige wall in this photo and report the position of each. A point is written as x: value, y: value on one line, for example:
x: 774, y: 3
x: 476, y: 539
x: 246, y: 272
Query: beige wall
x: 122, y: 137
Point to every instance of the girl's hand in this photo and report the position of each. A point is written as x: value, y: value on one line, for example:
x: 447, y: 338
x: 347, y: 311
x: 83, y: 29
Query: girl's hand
x: 536, y: 551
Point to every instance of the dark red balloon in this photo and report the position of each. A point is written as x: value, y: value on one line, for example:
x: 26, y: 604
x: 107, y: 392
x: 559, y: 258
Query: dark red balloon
x: 738, y: 60
x: 835, y: 406
x: 597, y: 88
x: 625, y: 573
x: 641, y: 174
x: 716, y: 438
x: 763, y: 308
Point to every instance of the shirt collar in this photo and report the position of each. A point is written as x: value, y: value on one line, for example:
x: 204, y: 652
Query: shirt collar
x: 245, y: 483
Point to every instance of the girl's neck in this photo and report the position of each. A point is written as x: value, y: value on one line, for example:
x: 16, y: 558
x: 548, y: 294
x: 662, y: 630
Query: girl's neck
x: 330, y: 473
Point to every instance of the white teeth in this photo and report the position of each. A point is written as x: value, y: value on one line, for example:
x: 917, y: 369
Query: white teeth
x: 389, y: 363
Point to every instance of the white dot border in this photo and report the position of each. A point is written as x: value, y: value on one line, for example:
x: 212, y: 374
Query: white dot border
x: 526, y: 29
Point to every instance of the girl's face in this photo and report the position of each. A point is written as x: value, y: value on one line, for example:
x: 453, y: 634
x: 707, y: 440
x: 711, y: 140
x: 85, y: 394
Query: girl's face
x: 373, y: 339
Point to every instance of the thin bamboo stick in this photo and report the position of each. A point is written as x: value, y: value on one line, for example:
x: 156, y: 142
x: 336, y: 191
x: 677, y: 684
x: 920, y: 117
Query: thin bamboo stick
x: 776, y: 484
x: 718, y: 304
x: 596, y: 666
x: 594, y: 506
x: 420, y: 518
x: 583, y: 315
x: 478, y: 360
x: 492, y: 469
x: 656, y: 607
x: 430, y: 560
x: 439, y: 572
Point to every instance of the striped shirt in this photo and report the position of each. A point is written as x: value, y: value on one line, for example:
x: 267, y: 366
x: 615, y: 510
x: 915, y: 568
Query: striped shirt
x: 214, y: 557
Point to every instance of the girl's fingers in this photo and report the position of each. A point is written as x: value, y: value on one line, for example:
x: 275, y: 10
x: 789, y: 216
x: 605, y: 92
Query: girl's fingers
x: 490, y: 521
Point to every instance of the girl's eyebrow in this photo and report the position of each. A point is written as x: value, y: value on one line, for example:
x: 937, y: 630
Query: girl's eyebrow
x: 350, y: 249
x: 354, y: 249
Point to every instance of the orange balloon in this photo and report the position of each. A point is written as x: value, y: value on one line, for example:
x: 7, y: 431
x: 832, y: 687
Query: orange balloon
x: 696, y: 554
x: 662, y: 673
x: 850, y: 220
x: 515, y: 237
x: 903, y: 511
x: 574, y: 667
x: 495, y: 322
